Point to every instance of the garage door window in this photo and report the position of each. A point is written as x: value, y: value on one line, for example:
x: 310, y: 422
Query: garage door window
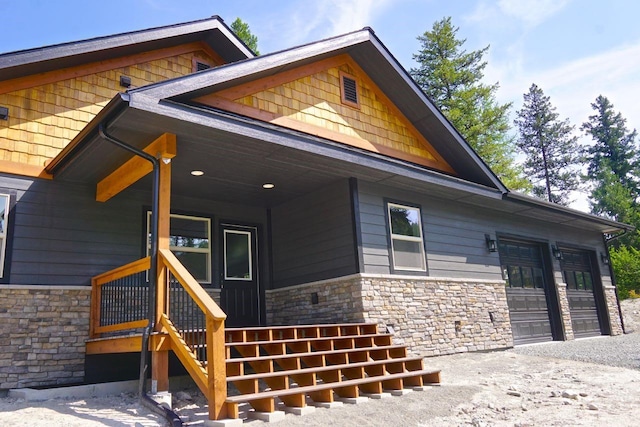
x: 407, y: 246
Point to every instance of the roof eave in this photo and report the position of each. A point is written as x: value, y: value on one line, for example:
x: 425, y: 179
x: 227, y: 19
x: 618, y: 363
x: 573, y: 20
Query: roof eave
x: 117, y: 104
x: 610, y: 226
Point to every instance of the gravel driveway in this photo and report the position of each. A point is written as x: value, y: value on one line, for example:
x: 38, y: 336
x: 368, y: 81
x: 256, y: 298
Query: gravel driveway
x: 622, y: 351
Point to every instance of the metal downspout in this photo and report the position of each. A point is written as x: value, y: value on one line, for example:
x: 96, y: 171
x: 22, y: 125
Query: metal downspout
x: 168, y: 414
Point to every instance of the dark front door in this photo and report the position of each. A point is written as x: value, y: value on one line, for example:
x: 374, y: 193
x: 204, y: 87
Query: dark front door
x: 240, y: 297
x: 527, y: 287
x: 578, y: 275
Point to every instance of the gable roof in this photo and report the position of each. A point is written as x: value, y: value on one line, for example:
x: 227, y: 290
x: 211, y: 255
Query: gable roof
x: 373, y: 58
x: 170, y: 105
x: 212, y: 31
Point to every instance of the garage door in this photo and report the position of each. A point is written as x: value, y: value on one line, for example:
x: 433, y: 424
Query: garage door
x: 578, y: 275
x: 524, y: 268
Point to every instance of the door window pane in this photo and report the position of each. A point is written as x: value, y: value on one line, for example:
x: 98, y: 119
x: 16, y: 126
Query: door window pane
x: 515, y: 278
x: 237, y: 255
x: 527, y: 277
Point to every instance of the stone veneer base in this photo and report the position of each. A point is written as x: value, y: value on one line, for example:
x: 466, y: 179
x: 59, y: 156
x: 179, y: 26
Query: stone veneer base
x: 44, y: 334
x: 431, y: 315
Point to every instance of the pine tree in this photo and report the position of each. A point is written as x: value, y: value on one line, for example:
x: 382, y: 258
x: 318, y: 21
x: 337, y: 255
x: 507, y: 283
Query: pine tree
x: 551, y: 149
x: 451, y: 78
x: 614, y: 170
x: 614, y: 149
x: 241, y: 29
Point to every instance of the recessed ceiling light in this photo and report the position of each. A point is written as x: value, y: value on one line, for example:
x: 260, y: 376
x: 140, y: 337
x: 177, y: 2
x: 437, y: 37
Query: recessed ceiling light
x: 197, y: 173
x: 268, y: 186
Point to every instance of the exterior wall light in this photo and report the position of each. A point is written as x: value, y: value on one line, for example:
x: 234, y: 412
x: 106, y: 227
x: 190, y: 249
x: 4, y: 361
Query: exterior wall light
x: 4, y: 113
x: 604, y: 258
x: 491, y: 243
x: 557, y: 253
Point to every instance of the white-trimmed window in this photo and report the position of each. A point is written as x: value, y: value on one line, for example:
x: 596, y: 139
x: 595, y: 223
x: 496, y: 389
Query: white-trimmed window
x: 190, y: 242
x: 4, y: 226
x: 407, y: 246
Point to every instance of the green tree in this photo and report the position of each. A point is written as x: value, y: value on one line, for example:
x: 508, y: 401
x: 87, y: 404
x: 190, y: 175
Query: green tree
x: 241, y: 29
x: 451, y: 78
x: 614, y: 151
x: 551, y: 149
x: 626, y: 264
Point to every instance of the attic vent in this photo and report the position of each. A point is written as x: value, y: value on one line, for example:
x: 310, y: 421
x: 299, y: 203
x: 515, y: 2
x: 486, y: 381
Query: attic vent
x: 202, y: 66
x: 349, y: 88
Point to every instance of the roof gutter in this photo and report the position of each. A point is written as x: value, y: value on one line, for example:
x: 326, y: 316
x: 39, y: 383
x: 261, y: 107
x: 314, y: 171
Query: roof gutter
x: 530, y: 201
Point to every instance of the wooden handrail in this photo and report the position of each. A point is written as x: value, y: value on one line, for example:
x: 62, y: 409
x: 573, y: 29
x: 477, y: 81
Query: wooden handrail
x: 123, y: 271
x: 191, y: 285
x: 214, y: 385
x: 95, y: 329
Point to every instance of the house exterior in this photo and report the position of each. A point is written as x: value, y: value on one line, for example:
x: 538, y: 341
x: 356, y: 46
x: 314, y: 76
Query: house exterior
x: 312, y: 185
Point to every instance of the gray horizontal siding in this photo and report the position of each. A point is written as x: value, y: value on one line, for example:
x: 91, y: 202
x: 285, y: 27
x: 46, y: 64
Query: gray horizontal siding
x: 312, y: 237
x: 455, y: 234
x: 62, y: 236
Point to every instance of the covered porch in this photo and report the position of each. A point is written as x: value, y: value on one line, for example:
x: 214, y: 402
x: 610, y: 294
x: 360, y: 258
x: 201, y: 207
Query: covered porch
x: 253, y: 238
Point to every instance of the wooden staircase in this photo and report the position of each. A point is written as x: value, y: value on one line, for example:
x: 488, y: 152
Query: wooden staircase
x: 318, y: 362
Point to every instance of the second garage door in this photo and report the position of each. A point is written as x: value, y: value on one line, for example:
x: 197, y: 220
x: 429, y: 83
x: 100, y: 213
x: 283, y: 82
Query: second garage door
x: 527, y: 287
x: 578, y: 274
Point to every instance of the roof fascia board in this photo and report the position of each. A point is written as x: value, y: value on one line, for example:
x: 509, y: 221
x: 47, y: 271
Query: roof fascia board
x: 436, y: 112
x: 23, y: 57
x: 257, y: 129
x: 183, y: 86
x: 542, y: 204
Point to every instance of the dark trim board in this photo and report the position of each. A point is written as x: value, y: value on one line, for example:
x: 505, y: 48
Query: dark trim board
x: 11, y: 217
x: 357, y: 229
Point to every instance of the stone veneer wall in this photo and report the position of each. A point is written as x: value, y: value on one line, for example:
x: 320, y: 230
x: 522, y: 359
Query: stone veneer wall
x: 565, y: 311
x: 432, y: 316
x: 612, y: 310
x: 44, y: 329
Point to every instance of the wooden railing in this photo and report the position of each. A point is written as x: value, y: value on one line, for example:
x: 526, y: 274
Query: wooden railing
x: 200, y: 348
x: 119, y: 299
x: 209, y: 374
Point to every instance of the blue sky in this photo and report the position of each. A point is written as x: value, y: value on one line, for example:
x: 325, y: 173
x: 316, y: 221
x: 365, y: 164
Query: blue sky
x: 573, y: 49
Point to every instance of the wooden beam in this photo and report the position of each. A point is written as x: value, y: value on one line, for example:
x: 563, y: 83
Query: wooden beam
x: 135, y: 168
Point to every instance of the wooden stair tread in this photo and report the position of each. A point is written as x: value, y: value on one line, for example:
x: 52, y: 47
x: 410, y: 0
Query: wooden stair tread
x: 324, y: 386
x: 310, y: 370
x: 310, y: 339
x: 313, y: 353
x: 285, y: 327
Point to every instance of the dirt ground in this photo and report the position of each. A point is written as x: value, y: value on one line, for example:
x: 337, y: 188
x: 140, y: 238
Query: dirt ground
x: 478, y: 389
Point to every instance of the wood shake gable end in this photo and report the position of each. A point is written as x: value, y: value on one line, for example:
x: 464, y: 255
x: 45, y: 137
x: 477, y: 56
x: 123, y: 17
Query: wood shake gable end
x: 310, y: 99
x: 47, y: 110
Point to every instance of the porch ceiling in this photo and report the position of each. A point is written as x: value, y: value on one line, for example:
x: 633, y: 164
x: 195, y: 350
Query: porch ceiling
x: 236, y: 166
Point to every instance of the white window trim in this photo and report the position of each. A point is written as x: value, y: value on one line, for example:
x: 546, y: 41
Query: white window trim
x: 187, y: 249
x: 3, y: 233
x: 406, y: 238
x: 248, y: 234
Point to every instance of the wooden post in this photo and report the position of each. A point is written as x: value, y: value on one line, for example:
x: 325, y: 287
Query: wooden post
x: 216, y: 369
x: 160, y: 359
